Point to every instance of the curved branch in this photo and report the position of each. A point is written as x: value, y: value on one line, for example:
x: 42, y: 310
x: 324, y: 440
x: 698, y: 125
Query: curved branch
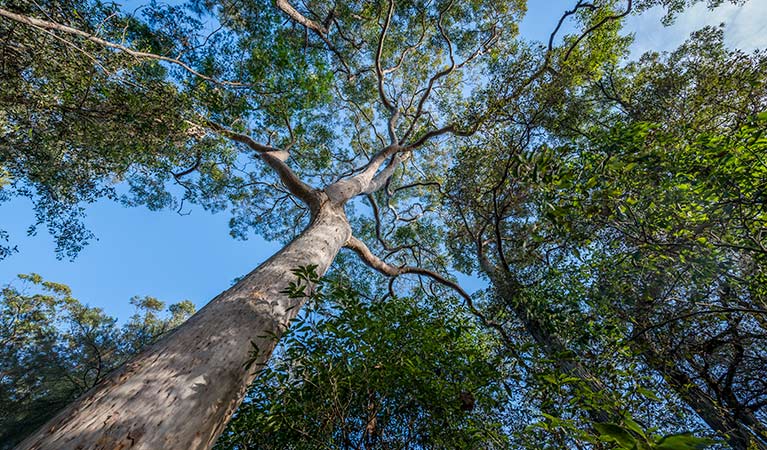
x: 392, y: 271
x: 382, y: 177
x: 567, y: 14
x: 442, y: 73
x: 274, y: 158
x: 185, y: 172
x: 320, y: 30
x: 546, y: 64
x: 288, y: 9
x: 597, y: 25
x: 448, y: 129
x: 379, y: 52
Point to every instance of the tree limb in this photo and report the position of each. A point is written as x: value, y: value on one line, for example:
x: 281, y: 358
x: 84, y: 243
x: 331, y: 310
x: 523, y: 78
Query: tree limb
x: 448, y: 129
x: 288, y: 9
x: 379, y: 52
x: 274, y: 158
x: 392, y: 271
x: 347, y: 188
x: 384, y: 175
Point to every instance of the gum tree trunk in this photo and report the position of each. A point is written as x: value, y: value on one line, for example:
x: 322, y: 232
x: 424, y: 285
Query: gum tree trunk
x: 180, y: 393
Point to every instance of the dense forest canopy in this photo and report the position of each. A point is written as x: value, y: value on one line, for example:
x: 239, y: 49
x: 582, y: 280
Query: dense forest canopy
x: 615, y: 209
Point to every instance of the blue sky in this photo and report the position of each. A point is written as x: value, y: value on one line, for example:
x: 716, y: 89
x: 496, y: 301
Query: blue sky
x: 174, y: 257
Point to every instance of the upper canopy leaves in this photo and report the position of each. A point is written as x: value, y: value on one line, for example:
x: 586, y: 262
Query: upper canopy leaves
x: 145, y: 98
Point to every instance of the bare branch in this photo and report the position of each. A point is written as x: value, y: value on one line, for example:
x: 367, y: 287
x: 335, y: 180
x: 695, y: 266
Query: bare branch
x: 379, y: 235
x: 379, y: 52
x: 384, y: 175
x: 393, y: 140
x: 286, y: 7
x: 449, y: 129
x: 242, y: 138
x: 320, y: 30
x: 346, y: 188
x: 407, y: 50
x: 562, y: 19
x: 442, y: 73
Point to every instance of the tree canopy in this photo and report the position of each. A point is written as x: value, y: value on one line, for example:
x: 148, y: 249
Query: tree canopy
x: 615, y: 209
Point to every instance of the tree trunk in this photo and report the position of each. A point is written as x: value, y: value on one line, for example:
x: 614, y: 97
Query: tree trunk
x: 721, y: 419
x: 715, y: 415
x: 180, y: 393
x: 553, y: 347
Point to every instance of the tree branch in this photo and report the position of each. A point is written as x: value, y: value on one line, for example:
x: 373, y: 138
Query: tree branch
x: 320, y: 30
x: 448, y: 129
x: 286, y: 7
x: 597, y: 25
x: 442, y: 73
x: 379, y: 52
x: 274, y: 158
x: 392, y: 271
x: 379, y: 181
x: 347, y: 188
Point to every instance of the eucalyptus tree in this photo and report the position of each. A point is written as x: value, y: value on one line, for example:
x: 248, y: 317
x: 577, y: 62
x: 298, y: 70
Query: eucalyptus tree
x: 283, y: 114
x: 642, y: 224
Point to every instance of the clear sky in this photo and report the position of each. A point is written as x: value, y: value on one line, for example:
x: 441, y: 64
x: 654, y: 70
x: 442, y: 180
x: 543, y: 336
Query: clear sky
x: 174, y: 257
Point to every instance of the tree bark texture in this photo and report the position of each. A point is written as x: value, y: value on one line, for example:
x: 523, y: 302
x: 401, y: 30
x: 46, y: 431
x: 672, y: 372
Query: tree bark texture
x: 180, y: 393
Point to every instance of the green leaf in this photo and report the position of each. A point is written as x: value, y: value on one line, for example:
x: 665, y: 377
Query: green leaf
x: 610, y: 432
x: 683, y: 442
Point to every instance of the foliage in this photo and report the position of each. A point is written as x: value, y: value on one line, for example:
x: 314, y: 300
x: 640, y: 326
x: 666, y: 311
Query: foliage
x: 76, y: 119
x: 614, y: 208
x: 632, y: 437
x: 393, y: 373
x: 53, y: 348
x: 621, y: 237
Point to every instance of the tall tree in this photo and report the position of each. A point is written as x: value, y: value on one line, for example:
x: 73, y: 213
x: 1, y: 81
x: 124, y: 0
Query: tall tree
x: 658, y: 221
x: 392, y: 73
x: 331, y: 100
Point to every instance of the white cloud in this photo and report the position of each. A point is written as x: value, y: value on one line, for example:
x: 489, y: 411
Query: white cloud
x: 745, y: 27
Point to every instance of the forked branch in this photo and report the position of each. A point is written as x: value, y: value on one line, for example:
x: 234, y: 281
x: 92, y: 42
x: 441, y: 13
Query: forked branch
x: 274, y: 158
x: 393, y: 272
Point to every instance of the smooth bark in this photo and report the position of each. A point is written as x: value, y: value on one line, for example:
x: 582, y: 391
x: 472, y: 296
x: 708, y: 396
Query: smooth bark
x: 180, y: 393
